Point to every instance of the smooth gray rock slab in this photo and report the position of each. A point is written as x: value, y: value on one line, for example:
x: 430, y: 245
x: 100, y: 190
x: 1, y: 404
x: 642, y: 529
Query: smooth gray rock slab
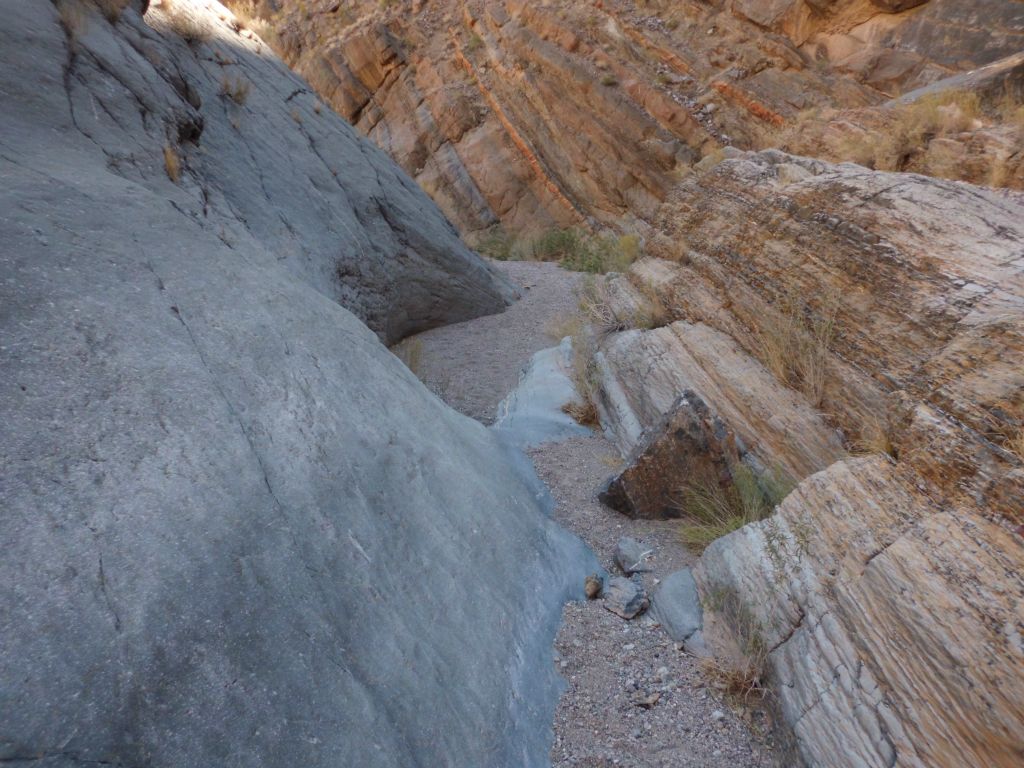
x: 630, y: 555
x: 236, y: 530
x: 676, y: 604
x: 532, y: 413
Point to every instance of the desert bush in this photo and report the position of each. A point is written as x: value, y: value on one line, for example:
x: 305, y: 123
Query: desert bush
x: 912, y: 128
x: 609, y: 80
x: 582, y: 252
x: 475, y: 43
x: 796, y: 349
x: 172, y: 163
x: 247, y: 17
x: 497, y: 244
x: 236, y: 89
x: 712, y: 510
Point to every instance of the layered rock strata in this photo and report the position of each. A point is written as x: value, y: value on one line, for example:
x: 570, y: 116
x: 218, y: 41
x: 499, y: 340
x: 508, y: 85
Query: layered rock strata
x: 886, y: 588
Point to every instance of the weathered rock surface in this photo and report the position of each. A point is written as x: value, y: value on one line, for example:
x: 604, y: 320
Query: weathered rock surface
x: 237, y: 531
x: 533, y: 412
x: 643, y: 375
x: 892, y: 626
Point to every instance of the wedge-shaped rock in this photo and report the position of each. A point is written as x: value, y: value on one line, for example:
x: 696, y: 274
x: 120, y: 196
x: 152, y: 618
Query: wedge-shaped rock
x: 688, y: 444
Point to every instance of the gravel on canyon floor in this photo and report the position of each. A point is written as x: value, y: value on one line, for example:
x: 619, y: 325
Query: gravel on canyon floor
x: 632, y: 698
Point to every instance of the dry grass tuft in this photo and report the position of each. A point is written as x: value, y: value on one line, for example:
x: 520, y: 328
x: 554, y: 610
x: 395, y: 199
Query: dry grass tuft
x: 585, y: 380
x: 875, y: 436
x: 236, y: 89
x: 796, y: 349
x: 189, y: 28
x: 410, y: 352
x: 712, y: 510
x: 1015, y: 444
x: 72, y: 17
x: 742, y: 674
x: 172, y: 163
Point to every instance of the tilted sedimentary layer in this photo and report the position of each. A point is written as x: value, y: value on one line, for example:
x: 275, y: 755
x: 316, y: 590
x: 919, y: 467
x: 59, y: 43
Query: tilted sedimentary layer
x: 555, y: 113
x: 237, y: 530
x: 887, y: 587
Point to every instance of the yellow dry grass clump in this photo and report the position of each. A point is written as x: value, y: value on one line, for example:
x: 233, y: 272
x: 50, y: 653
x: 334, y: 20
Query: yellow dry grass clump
x: 794, y: 345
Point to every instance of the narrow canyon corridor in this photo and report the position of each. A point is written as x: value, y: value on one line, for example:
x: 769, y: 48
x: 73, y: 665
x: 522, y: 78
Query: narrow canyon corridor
x: 613, y: 668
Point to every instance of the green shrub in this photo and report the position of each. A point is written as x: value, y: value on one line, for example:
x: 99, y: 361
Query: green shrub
x: 496, y: 244
x: 581, y: 252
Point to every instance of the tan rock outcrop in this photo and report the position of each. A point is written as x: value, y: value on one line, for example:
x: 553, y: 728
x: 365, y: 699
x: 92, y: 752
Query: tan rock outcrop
x: 538, y: 115
x: 886, y: 588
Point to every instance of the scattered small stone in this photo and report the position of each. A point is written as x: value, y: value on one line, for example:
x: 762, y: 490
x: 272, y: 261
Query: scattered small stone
x: 718, y: 715
x: 624, y: 598
x: 630, y: 555
x: 592, y: 586
x: 647, y: 701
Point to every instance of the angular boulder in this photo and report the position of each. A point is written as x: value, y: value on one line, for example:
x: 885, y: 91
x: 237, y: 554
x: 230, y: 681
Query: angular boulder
x: 688, y: 443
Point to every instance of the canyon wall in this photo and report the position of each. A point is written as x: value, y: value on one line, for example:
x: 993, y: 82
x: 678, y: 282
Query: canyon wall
x: 237, y: 530
x: 536, y: 115
x: 886, y: 590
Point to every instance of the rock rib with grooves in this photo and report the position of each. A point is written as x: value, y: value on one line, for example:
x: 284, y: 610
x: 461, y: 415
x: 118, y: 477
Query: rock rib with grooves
x: 237, y: 531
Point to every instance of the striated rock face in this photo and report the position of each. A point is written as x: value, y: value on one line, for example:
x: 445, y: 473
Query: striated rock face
x: 550, y: 114
x: 237, y: 531
x: 887, y: 588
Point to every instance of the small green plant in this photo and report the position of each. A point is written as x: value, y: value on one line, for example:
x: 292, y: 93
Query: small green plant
x: 581, y: 252
x: 235, y: 89
x: 475, y: 43
x: 712, y: 510
x: 609, y: 80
